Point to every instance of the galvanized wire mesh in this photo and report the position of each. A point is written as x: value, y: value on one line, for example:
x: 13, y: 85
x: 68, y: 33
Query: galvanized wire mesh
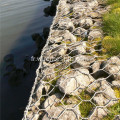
x: 76, y: 79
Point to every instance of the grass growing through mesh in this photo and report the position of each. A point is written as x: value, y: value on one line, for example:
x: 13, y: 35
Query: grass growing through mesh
x: 111, y: 28
x: 84, y: 95
x: 85, y: 108
x: 115, y: 110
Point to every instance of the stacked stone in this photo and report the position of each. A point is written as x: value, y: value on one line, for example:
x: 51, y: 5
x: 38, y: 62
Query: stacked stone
x: 71, y: 64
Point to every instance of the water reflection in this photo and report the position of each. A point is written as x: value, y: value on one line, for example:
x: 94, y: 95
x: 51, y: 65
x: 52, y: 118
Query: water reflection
x: 20, y: 19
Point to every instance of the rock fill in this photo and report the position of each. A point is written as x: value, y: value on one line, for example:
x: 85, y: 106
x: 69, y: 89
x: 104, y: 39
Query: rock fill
x: 74, y: 80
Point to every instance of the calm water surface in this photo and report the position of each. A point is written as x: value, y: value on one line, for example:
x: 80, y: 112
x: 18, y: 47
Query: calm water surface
x: 19, y: 19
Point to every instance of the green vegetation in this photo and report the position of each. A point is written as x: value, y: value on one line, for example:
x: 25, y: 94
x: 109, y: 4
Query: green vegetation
x: 108, y: 117
x: 42, y: 99
x: 95, y: 44
x: 67, y: 42
x: 78, y: 38
x: 95, y: 27
x: 117, y: 92
x: 69, y: 99
x: 111, y: 28
x: 85, y: 108
x: 84, y: 95
x: 114, y: 110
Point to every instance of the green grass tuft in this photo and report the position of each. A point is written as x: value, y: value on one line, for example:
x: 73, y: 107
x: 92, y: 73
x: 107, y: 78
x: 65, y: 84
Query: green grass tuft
x: 84, y: 95
x: 111, y: 28
x: 85, y: 108
x: 115, y: 110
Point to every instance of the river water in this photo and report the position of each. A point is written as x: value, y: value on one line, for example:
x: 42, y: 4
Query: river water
x: 19, y: 19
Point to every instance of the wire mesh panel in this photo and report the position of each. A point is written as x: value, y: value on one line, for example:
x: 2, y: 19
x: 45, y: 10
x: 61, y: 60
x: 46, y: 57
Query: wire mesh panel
x: 76, y: 80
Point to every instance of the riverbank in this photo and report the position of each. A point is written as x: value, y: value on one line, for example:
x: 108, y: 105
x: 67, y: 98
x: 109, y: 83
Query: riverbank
x: 74, y: 79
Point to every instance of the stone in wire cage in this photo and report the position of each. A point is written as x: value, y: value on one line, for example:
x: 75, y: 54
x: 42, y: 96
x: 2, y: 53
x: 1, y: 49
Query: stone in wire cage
x: 75, y: 79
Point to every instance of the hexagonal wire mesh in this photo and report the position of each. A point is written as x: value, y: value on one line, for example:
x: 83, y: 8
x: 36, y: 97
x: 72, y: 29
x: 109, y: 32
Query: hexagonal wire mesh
x: 75, y: 79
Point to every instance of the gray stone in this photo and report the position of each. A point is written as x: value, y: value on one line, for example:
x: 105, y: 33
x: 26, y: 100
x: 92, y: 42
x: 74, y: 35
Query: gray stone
x: 55, y: 53
x: 94, y: 15
x: 51, y: 101
x: 116, y: 83
x: 93, y: 86
x: 114, y: 60
x: 69, y: 36
x: 73, y: 80
x: 102, y: 11
x: 36, y: 116
x: 112, y: 66
x: 39, y: 89
x: 106, y: 93
x: 83, y: 61
x: 98, y: 114
x: 75, y: 1
x: 78, y: 49
x: 65, y: 34
x: 108, y: 90
x: 97, y: 24
x: 113, y: 70
x: 85, y: 23
x: 30, y: 114
x: 96, y: 66
x: 67, y: 85
x: 47, y: 88
x: 64, y: 8
x: 58, y: 112
x: 56, y: 40
x: 100, y: 99
x: 86, y: 0
x: 81, y: 32
x: 78, y: 7
x: 92, y: 4
x: 80, y: 10
x: 71, y: 100
x: 59, y: 49
x: 66, y: 24
x: 94, y: 34
x: 47, y: 72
